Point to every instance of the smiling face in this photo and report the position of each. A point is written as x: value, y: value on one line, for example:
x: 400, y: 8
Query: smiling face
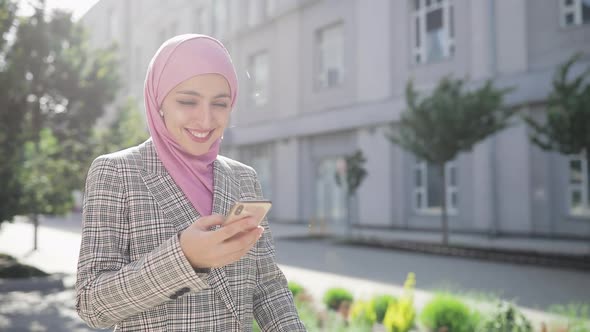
x: 196, y: 112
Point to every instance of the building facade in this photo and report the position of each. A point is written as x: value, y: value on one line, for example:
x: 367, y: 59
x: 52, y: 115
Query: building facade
x: 320, y: 79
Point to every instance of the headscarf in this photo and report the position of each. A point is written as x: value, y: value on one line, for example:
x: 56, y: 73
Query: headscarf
x: 178, y: 59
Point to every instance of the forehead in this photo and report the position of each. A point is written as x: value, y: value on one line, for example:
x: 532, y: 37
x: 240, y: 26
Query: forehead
x: 203, y: 83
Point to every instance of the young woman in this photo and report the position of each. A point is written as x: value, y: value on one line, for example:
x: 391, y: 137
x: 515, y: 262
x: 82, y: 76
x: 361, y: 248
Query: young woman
x: 155, y: 255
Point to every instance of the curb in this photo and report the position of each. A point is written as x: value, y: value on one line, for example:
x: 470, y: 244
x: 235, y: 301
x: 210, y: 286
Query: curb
x: 553, y: 260
x: 512, y: 256
x: 52, y: 282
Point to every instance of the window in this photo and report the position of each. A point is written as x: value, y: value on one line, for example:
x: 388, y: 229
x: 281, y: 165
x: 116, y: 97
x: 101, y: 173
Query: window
x: 259, y: 78
x: 574, y: 12
x: 579, y: 185
x: 427, y: 187
x: 330, y: 197
x: 254, y: 12
x: 270, y: 7
x: 433, y: 30
x: 330, y: 45
x: 220, y: 18
x: 201, y: 21
x: 111, y: 24
x: 259, y: 157
x: 258, y: 10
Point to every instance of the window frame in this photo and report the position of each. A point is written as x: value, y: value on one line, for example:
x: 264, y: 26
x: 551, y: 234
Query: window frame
x: 253, y: 79
x: 576, y: 8
x: 322, y: 80
x: 583, y: 187
x: 420, y: 169
x: 420, y: 50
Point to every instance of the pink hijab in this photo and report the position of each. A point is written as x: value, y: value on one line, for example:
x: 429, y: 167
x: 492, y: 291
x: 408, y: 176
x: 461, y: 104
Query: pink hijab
x: 177, y: 60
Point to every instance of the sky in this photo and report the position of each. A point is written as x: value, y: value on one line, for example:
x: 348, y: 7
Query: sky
x: 78, y: 7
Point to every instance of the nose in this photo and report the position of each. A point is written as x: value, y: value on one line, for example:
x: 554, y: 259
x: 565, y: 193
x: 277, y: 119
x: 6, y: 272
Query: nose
x: 202, y: 116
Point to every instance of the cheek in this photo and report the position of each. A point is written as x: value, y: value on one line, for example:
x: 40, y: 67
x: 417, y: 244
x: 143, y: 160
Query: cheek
x: 222, y: 118
x: 177, y: 118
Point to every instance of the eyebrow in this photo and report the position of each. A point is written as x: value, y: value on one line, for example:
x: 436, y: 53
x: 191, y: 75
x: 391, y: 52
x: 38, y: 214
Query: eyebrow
x: 195, y: 93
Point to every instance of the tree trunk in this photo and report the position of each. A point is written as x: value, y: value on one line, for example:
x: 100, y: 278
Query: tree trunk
x: 35, y: 218
x: 445, y: 222
x: 34, y: 208
x: 349, y: 215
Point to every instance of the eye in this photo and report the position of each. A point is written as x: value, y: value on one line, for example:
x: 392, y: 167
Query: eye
x: 186, y: 102
x: 222, y: 105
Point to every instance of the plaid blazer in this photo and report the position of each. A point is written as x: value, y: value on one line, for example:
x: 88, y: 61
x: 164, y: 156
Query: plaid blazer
x: 132, y: 274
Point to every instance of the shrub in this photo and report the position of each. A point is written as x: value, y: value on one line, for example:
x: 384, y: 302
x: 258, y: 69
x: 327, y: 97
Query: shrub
x: 335, y: 296
x: 333, y: 322
x: 362, y: 313
x: 577, y: 315
x: 506, y: 318
x: 400, y: 314
x: 308, y: 316
x: 446, y: 311
x: 380, y: 305
x: 295, y: 288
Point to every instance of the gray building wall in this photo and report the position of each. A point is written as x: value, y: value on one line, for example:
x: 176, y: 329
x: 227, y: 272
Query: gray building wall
x: 505, y: 184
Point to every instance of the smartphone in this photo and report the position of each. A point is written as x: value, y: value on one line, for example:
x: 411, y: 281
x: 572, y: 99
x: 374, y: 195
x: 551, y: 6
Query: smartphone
x: 242, y: 209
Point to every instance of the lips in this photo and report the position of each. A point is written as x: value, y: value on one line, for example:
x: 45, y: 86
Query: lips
x: 199, y: 136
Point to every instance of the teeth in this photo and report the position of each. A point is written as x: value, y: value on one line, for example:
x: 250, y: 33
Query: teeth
x: 199, y: 134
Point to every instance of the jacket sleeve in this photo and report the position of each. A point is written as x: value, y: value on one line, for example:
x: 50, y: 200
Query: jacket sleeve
x: 109, y: 287
x: 274, y: 308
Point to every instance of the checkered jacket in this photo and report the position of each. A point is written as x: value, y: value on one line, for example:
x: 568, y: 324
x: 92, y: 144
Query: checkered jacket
x: 132, y: 274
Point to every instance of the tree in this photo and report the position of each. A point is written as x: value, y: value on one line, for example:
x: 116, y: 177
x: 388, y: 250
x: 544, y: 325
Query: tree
x: 10, y: 120
x: 44, y: 179
x: 451, y: 120
x: 126, y: 130
x: 58, y: 88
x: 567, y: 125
x: 351, y: 174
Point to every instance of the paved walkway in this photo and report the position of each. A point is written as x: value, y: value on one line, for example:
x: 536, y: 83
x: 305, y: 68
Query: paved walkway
x: 316, y: 264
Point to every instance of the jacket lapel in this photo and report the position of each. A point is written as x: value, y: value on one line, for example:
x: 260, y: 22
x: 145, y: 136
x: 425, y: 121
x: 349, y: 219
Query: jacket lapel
x: 170, y: 198
x: 178, y: 209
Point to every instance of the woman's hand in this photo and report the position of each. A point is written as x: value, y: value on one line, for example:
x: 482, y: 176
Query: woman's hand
x: 207, y: 249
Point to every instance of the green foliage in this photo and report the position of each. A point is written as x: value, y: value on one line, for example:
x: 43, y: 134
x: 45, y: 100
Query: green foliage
x: 45, y: 179
x: 400, y: 315
x: 577, y: 316
x: 52, y: 89
x: 362, y: 313
x: 255, y: 327
x: 437, y: 127
x: 446, y: 311
x: 506, y: 318
x: 335, y: 296
x: 334, y: 322
x: 308, y: 316
x: 11, y: 120
x: 295, y: 288
x: 126, y: 130
x: 380, y: 305
x: 567, y: 125
x: 355, y: 172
